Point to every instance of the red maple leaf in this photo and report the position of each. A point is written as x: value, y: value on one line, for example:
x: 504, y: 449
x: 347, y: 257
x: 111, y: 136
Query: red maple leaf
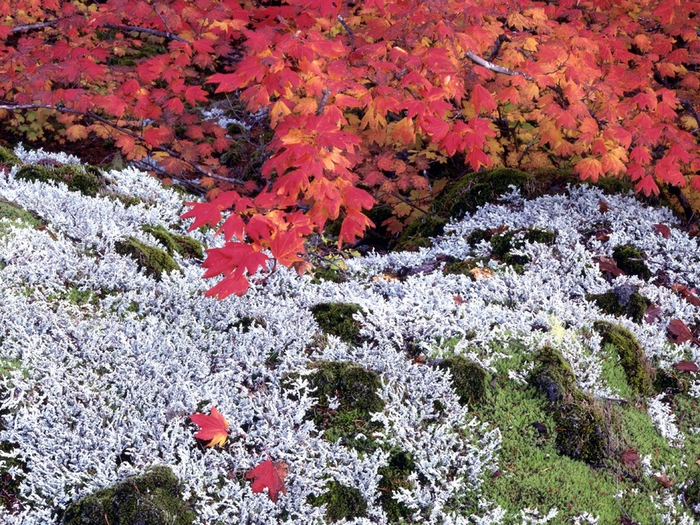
x: 214, y: 428
x: 678, y: 332
x: 269, y: 475
x: 630, y: 457
x: 686, y: 366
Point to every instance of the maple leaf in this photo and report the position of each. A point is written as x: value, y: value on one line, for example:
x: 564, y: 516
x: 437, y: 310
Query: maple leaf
x: 269, y: 475
x: 214, y: 428
x: 678, y: 332
x: 663, y: 230
x: 630, y: 457
x: 686, y: 366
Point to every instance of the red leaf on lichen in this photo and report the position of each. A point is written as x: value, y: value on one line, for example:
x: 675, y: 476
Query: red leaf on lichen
x: 663, y: 230
x: 686, y: 366
x: 678, y: 332
x: 269, y: 475
x: 214, y: 428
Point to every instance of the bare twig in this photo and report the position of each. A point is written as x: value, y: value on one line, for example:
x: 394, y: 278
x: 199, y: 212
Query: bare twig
x: 31, y: 27
x: 494, y: 67
x: 690, y: 108
x: 322, y: 104
x: 345, y: 26
x: 155, y: 32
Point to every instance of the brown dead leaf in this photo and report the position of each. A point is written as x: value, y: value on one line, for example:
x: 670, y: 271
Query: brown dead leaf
x: 458, y: 299
x: 664, y: 480
x: 603, y: 206
x: 687, y: 293
x: 630, y: 457
x: 678, y: 332
x: 480, y: 273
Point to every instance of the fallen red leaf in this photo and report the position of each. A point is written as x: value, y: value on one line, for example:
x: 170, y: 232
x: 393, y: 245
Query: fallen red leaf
x: 609, y: 266
x: 214, y: 428
x: 686, y: 366
x: 678, y: 331
x: 630, y: 457
x: 663, y: 230
x: 269, y: 475
x: 652, y: 314
x: 687, y: 294
x: 603, y: 206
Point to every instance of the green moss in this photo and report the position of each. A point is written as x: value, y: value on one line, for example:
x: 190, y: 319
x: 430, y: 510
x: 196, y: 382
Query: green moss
x: 394, y: 476
x: 671, y: 381
x: 533, y: 471
x: 154, y: 260
x: 502, y: 244
x: 470, y: 381
x: 174, y: 243
x: 19, y: 216
x: 7, y: 158
x: 356, y: 391
x: 632, y: 358
x: 634, y: 306
x: 87, y: 180
x: 337, y: 319
x: 342, y: 502
x: 583, y: 429
x: 150, y: 499
x: 631, y: 260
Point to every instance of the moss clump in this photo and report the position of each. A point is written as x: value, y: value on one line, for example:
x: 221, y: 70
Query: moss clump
x: 502, y: 244
x: 692, y: 495
x: 672, y: 381
x: 630, y: 260
x: 623, y: 300
x: 470, y: 381
x: 342, y: 502
x: 153, y: 260
x: 632, y: 358
x: 582, y: 430
x: 355, y: 389
x: 7, y: 158
x: 464, y: 267
x: 337, y: 319
x: 181, y: 244
x: 85, y: 179
x: 150, y: 499
x: 393, y: 477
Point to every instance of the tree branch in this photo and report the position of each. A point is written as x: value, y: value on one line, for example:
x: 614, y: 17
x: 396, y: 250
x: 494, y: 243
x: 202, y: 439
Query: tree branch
x: 494, y: 67
x: 31, y: 27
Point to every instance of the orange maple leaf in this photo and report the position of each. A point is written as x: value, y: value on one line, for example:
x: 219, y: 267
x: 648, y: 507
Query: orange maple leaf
x: 214, y: 428
x: 269, y: 475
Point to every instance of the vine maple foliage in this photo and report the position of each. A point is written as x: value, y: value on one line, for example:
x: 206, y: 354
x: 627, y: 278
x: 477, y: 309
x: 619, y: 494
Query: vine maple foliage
x: 363, y: 98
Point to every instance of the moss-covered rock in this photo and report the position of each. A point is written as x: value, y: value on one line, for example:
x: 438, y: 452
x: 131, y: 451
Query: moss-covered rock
x: 470, y: 381
x: 174, y: 243
x: 630, y: 260
x: 153, y: 260
x: 582, y: 430
x: 337, y: 319
x: 150, y: 499
x: 85, y: 179
x: 342, y: 502
x: 623, y: 300
x: 672, y: 381
x: 632, y: 358
x: 19, y: 216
